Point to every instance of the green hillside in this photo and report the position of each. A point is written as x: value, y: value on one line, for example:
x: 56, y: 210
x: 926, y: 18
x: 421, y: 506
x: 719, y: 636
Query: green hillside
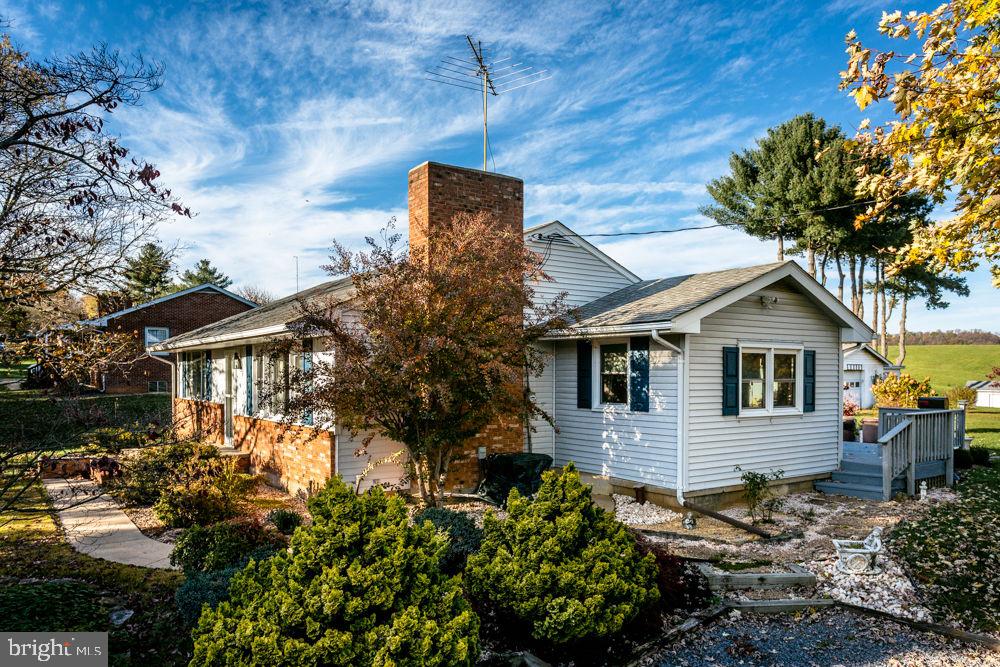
x: 949, y: 365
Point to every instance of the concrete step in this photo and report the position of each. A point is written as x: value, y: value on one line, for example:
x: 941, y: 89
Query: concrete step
x: 866, y: 491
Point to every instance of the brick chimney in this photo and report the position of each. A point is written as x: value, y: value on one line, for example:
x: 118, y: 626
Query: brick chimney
x: 436, y: 194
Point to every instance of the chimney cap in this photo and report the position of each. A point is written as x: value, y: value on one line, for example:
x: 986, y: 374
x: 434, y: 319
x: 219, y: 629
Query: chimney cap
x: 468, y: 169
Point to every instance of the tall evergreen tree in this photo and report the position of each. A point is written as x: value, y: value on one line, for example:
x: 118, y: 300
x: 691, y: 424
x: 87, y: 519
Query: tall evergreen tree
x: 202, y: 273
x: 147, y: 274
x: 775, y: 189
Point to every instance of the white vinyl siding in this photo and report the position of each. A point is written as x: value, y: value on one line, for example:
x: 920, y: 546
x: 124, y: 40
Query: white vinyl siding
x: 575, y: 271
x: 636, y: 446
x: 798, y: 444
x: 543, y: 440
x: 350, y: 465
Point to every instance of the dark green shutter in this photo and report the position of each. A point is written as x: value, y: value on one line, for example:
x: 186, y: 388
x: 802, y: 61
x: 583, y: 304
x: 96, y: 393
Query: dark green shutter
x: 248, y: 354
x: 639, y: 373
x: 583, y: 374
x: 809, y: 381
x: 730, y: 381
x: 206, y: 377
x: 307, y: 362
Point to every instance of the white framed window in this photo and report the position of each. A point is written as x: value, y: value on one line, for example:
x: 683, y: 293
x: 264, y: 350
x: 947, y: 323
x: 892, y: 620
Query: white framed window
x: 157, y: 387
x: 154, y: 335
x: 771, y: 380
x: 610, y: 370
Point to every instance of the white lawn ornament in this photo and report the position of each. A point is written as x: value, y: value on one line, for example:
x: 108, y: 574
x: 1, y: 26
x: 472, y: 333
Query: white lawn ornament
x: 923, y: 491
x: 859, y: 556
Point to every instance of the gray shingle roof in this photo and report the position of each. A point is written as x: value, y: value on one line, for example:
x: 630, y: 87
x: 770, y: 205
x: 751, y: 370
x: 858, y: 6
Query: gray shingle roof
x: 281, y: 311
x: 664, y: 299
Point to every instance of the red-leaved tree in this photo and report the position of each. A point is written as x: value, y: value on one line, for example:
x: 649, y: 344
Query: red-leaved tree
x: 431, y: 350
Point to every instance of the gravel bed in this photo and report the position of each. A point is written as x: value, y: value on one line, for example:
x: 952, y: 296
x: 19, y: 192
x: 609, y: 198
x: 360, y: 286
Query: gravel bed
x: 827, y: 637
x: 889, y: 591
x: 631, y: 513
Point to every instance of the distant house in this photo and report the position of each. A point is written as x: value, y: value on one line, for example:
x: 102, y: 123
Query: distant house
x: 667, y: 383
x: 987, y: 394
x: 863, y: 367
x: 156, y: 321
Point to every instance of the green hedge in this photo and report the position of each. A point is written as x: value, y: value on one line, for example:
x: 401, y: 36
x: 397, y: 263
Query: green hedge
x: 560, y: 565
x: 360, y: 586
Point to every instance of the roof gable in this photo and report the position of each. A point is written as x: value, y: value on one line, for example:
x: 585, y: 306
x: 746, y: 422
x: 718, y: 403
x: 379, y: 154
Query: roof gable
x: 870, y: 351
x: 561, y: 231
x: 104, y: 319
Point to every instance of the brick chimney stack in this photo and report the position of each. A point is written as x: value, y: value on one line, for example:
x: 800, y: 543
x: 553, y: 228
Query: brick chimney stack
x: 438, y: 192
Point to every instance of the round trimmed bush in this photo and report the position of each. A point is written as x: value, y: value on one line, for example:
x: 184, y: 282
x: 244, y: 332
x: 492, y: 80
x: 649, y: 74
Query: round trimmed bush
x: 464, y: 536
x: 561, y: 565
x: 360, y: 586
x: 205, y: 548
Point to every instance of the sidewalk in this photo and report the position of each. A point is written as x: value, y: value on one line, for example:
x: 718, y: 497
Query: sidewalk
x: 98, y: 528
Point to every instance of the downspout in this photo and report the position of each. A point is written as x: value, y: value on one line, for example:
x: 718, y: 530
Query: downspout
x: 681, y: 414
x: 173, y: 375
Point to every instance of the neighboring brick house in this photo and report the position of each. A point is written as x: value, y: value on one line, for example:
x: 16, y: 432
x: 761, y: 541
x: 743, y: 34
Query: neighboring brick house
x: 157, y: 320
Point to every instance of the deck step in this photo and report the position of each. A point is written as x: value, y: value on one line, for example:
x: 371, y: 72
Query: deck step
x: 866, y: 491
x: 857, y: 477
x: 852, y: 465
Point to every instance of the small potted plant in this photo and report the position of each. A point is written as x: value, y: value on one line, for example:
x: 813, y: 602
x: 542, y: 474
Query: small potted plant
x: 850, y: 422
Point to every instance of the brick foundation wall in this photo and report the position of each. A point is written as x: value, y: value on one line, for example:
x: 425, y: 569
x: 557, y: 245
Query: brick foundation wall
x: 298, y: 459
x: 436, y: 194
x: 199, y: 420
x: 180, y: 315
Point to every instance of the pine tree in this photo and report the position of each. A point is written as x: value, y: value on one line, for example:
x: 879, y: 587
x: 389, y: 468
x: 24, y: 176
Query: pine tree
x: 148, y: 274
x: 202, y: 273
x: 774, y: 189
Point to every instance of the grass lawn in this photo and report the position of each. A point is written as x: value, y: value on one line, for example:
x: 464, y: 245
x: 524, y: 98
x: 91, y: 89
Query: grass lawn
x: 18, y: 369
x: 30, y: 419
x: 47, y: 586
x: 983, y: 424
x: 953, y: 555
x: 950, y: 365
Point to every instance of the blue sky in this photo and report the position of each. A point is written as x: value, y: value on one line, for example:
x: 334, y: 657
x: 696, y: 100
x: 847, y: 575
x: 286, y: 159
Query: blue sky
x: 285, y: 125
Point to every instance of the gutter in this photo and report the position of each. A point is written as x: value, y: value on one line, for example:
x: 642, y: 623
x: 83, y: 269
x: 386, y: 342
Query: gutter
x: 610, y: 330
x: 681, y: 412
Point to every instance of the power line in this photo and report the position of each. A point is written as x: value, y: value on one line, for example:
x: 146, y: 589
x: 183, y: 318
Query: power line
x: 691, y: 229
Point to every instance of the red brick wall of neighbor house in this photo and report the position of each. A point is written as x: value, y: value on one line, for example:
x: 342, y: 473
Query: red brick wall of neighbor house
x: 299, y: 459
x: 436, y: 194
x: 180, y: 315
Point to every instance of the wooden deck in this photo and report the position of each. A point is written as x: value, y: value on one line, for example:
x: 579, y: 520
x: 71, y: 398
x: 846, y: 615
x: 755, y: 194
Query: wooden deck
x: 913, y: 445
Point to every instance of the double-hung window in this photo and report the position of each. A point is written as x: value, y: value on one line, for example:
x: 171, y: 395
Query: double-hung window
x: 770, y: 380
x: 614, y: 374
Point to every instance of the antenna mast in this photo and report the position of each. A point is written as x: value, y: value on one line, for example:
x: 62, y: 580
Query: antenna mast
x: 494, y: 80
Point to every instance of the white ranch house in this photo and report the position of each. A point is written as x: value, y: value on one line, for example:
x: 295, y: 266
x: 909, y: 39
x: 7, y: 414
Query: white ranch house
x: 667, y: 383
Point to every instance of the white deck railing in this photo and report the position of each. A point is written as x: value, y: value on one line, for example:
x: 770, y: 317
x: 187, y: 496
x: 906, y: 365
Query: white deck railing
x: 910, y: 436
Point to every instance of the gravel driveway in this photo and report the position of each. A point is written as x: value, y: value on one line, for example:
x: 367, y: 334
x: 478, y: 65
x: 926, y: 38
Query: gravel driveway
x: 831, y: 637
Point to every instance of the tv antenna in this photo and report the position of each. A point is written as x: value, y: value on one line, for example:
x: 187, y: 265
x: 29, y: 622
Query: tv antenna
x: 496, y: 77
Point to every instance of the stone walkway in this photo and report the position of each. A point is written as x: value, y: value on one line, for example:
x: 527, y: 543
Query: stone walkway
x: 98, y: 528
